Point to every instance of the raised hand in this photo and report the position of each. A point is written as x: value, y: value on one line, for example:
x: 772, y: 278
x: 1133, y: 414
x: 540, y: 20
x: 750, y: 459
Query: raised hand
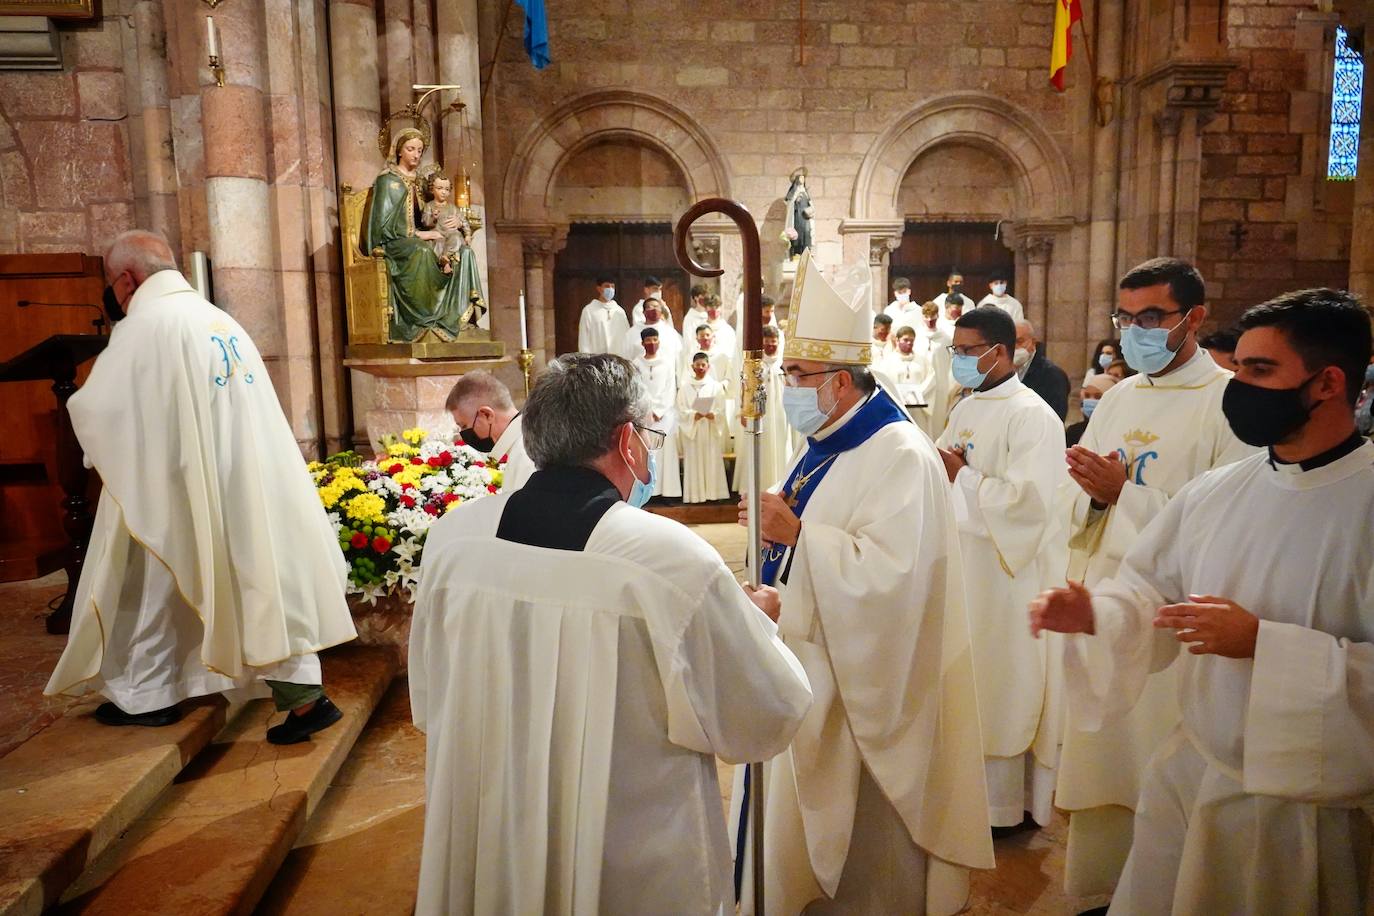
x: 1062, y: 610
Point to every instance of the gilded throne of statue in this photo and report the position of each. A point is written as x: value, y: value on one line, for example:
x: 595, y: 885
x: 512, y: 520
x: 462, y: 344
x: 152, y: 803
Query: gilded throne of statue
x: 409, y: 269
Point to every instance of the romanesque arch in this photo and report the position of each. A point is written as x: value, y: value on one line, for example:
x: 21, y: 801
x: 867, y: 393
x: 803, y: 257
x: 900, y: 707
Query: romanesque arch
x: 594, y: 117
x: 974, y: 118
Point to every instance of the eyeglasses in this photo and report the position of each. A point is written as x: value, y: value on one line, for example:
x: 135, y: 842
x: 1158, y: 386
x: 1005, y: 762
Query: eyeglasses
x: 653, y: 438
x: 964, y: 351
x: 794, y: 378
x: 1147, y: 320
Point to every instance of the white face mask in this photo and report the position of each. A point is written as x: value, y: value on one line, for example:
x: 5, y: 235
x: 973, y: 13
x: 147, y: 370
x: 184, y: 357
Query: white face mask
x: 999, y: 289
x: 1020, y: 358
x: 904, y: 296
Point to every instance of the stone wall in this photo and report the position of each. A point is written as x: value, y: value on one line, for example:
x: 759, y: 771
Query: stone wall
x: 1264, y: 163
x: 67, y: 170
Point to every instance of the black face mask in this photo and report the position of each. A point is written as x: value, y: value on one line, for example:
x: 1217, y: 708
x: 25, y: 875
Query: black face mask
x: 483, y: 444
x: 112, y: 306
x: 1264, y: 416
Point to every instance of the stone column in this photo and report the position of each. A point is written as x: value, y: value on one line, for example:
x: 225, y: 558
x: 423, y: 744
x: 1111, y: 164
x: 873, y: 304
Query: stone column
x: 872, y: 242
x: 398, y: 71
x: 154, y: 96
x: 1167, y: 123
x: 1038, y: 250
x: 1106, y: 180
x: 538, y: 262
x: 238, y: 206
x: 1362, y: 221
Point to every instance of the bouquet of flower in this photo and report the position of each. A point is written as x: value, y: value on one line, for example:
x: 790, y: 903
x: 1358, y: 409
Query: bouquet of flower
x: 382, y: 509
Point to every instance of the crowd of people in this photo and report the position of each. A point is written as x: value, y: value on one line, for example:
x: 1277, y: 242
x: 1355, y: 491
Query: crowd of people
x: 957, y: 629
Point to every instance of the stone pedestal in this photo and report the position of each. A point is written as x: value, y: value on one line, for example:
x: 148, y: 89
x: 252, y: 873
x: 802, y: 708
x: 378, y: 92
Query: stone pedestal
x: 409, y: 391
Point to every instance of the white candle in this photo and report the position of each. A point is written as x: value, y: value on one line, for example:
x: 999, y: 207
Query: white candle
x: 211, y: 36
x: 524, y: 334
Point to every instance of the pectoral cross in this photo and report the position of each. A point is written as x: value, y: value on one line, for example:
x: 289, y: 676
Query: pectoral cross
x: 790, y: 498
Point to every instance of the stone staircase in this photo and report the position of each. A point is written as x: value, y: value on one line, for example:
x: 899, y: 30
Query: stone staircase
x: 201, y: 818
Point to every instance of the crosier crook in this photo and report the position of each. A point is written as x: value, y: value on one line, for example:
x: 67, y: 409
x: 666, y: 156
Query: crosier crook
x: 753, y: 404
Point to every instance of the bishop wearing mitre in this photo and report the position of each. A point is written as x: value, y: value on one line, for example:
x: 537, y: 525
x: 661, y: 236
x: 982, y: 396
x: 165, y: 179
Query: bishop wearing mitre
x: 878, y: 805
x: 212, y: 567
x: 578, y: 665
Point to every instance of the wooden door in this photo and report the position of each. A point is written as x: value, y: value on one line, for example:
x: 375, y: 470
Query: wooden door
x: 931, y: 251
x: 626, y: 252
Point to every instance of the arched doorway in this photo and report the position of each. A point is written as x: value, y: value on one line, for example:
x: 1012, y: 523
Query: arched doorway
x: 621, y: 196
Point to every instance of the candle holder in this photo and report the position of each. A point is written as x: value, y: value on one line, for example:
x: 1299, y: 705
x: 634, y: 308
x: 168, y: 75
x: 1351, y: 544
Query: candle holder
x: 526, y: 361
x: 217, y: 68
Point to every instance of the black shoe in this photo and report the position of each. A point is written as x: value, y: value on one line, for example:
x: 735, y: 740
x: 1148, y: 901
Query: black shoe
x: 110, y: 714
x: 299, y: 728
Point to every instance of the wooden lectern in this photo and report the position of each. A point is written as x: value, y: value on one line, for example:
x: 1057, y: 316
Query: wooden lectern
x: 47, y: 302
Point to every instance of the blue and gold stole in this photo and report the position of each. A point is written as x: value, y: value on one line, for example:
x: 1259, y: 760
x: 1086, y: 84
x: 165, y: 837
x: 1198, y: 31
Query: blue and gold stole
x: 878, y: 411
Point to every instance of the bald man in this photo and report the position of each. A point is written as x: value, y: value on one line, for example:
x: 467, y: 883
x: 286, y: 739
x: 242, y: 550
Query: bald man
x: 1038, y: 373
x: 212, y: 567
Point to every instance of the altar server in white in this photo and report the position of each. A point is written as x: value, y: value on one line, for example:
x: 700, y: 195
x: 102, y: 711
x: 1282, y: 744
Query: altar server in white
x: 659, y: 374
x: 879, y: 804
x: 905, y: 312
x: 908, y: 369
x: 669, y: 340
x: 938, y: 393
x: 603, y: 324
x: 1260, y: 800
x: 484, y: 410
x: 703, y: 430
x: 212, y: 567
x: 999, y: 297
x: 724, y: 334
x: 1004, y: 452
x: 779, y: 439
x: 578, y: 665
x: 1147, y: 438
x: 723, y: 366
x: 653, y: 289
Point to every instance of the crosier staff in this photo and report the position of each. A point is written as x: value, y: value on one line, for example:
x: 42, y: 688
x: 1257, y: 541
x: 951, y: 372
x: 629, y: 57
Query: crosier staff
x: 753, y: 404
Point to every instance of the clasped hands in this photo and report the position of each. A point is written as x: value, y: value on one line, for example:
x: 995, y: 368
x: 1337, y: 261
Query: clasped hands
x: 778, y: 524
x: 1207, y: 624
x: 1100, y: 476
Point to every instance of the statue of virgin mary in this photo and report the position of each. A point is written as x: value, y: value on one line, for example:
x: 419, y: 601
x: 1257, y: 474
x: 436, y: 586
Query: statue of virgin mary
x: 797, y: 228
x: 423, y: 297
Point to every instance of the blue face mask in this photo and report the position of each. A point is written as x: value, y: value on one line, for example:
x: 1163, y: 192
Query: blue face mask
x: 608, y: 294
x: 1089, y: 405
x: 1105, y: 360
x: 1147, y: 351
x: 802, y: 407
x: 641, y: 492
x: 965, y: 369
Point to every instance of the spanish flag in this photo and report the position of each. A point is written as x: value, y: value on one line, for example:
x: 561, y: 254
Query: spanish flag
x: 1066, y: 13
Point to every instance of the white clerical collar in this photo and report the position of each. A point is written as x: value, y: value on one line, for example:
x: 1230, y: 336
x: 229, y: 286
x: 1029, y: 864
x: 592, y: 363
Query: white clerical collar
x: 848, y: 415
x: 1002, y: 390
x: 162, y: 283
x: 1293, y: 477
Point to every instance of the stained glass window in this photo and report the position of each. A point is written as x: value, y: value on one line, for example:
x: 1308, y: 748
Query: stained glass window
x: 1346, y: 90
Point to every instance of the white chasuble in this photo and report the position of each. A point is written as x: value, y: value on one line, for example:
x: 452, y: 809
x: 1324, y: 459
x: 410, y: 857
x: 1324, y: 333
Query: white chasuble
x: 511, y: 448
x: 873, y: 606
x: 779, y: 439
x: 703, y: 440
x: 1167, y: 431
x: 602, y: 327
x: 574, y: 703
x: 1261, y: 800
x: 212, y: 565
x: 1013, y: 548
x: 660, y: 377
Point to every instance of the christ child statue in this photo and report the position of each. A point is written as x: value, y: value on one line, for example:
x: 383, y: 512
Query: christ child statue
x: 440, y: 211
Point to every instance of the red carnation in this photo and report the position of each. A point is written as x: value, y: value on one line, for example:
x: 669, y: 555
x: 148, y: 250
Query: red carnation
x: 408, y: 501
x: 359, y: 540
x: 505, y: 457
x: 434, y: 462
x: 417, y: 461
x: 381, y: 544
x: 396, y: 468
x: 450, y: 498
x: 445, y: 459
x: 491, y: 488
x: 431, y: 509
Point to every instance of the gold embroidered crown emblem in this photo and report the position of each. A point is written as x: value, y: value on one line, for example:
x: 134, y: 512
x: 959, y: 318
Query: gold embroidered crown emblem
x: 965, y: 434
x: 1140, y: 437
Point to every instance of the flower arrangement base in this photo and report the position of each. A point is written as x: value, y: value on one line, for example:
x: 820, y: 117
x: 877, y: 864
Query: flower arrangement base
x: 384, y: 622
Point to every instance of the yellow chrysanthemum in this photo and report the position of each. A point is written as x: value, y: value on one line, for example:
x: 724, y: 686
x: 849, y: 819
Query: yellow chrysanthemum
x: 496, y: 478
x: 366, y: 507
x: 399, y: 450
x: 414, y: 436
x: 329, y: 495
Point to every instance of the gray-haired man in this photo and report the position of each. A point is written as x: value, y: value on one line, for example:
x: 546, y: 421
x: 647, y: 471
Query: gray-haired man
x: 577, y: 664
x: 482, y: 407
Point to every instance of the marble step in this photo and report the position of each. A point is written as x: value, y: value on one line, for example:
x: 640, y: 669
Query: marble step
x: 68, y: 792
x: 360, y: 853
x: 211, y: 844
